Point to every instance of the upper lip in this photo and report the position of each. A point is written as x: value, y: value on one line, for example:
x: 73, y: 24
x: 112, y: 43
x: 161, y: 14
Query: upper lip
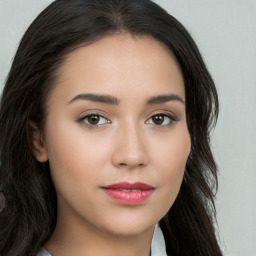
x: 130, y: 185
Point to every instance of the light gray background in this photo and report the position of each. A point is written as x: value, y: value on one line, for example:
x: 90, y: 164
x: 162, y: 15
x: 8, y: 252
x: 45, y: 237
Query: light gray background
x: 225, y: 31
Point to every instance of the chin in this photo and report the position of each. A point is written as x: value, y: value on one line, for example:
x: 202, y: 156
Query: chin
x: 130, y: 224
x: 129, y: 230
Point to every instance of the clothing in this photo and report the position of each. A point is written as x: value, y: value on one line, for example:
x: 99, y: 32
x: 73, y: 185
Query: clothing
x: 157, y: 247
x: 43, y: 252
x: 158, y: 243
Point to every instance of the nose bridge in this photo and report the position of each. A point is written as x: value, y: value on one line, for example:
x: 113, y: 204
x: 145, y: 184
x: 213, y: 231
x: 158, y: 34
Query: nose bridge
x: 130, y: 149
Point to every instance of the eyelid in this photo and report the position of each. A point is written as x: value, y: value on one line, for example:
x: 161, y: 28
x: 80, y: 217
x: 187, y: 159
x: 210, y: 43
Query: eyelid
x: 169, y: 113
x: 90, y: 112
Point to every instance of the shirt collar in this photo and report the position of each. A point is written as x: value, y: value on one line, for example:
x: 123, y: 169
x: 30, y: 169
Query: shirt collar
x: 158, y: 243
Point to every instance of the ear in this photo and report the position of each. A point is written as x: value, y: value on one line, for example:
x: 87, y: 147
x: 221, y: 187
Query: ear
x: 38, y: 145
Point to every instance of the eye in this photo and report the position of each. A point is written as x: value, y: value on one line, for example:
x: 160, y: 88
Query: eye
x: 161, y: 120
x: 93, y: 120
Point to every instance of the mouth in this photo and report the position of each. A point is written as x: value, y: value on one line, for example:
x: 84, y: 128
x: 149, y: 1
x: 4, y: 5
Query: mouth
x: 128, y: 192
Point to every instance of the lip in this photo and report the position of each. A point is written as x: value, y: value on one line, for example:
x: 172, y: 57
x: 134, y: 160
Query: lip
x: 118, y: 192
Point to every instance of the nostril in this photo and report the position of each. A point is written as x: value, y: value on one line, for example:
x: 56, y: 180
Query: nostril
x: 130, y: 165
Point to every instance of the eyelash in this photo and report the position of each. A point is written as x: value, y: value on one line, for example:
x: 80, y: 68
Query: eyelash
x: 172, y: 120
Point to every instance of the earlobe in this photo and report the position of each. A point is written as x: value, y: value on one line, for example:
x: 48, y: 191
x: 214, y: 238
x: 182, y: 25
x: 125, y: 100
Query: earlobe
x: 38, y: 144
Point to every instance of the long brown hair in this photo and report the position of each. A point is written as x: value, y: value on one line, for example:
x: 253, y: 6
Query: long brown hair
x: 29, y: 217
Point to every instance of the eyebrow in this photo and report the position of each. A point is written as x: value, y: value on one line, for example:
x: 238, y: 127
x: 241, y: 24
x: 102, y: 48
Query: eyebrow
x: 108, y: 99
x: 96, y: 98
x: 163, y: 99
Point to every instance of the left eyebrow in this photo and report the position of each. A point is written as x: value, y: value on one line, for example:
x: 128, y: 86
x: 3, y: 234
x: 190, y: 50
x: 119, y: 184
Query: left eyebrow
x: 163, y: 99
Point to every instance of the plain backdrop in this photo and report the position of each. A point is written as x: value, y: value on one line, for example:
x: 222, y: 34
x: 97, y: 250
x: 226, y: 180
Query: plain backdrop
x: 225, y: 31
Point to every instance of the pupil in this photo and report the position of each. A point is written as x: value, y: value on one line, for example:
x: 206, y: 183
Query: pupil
x: 159, y: 119
x: 93, y: 119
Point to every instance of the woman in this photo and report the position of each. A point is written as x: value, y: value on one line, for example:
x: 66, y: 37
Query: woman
x: 105, y: 121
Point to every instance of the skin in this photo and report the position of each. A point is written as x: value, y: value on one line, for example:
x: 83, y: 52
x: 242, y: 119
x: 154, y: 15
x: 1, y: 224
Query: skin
x: 127, y: 145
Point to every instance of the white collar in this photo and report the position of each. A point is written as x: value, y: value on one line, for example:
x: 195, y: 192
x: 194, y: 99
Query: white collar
x: 157, y: 247
x: 158, y: 243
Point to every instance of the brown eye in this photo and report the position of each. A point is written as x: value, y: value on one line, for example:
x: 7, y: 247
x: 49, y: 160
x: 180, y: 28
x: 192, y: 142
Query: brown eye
x: 93, y: 119
x: 158, y: 119
x: 161, y: 120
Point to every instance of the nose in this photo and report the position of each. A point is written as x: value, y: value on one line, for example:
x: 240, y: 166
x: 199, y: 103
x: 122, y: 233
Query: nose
x: 130, y: 149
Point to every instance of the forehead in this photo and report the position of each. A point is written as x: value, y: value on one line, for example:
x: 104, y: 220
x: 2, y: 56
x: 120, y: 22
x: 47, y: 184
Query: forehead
x: 121, y: 63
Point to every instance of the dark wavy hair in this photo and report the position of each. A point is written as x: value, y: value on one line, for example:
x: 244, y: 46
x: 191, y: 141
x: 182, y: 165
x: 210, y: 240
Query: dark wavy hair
x: 29, y: 218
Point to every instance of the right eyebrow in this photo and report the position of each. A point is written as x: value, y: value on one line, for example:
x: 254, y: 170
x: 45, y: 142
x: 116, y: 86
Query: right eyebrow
x: 103, y: 98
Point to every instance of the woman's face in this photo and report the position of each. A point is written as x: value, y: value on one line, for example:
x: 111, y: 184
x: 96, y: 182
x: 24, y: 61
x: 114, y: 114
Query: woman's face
x: 116, y: 135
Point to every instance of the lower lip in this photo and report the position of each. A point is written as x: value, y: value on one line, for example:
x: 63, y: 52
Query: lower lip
x: 126, y: 197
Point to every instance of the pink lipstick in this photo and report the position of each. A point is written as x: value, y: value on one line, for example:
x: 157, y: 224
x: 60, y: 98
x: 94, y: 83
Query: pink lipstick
x: 128, y: 192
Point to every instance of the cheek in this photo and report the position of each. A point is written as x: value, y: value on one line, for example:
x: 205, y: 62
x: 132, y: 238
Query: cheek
x: 171, y: 153
x: 171, y: 160
x: 74, y: 156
